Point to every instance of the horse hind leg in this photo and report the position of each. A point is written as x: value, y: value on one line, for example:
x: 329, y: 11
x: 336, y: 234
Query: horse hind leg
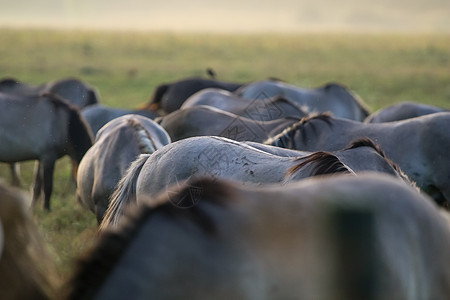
x: 15, y: 174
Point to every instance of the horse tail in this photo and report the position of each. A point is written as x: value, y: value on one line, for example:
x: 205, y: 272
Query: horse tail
x: 124, y: 194
x: 155, y: 101
x: 323, y: 163
x: 92, y: 97
x: 80, y: 134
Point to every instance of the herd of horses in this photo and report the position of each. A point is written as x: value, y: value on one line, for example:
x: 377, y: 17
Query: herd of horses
x: 223, y: 190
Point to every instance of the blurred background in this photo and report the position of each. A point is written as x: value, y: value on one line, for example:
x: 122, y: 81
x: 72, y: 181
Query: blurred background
x: 231, y: 15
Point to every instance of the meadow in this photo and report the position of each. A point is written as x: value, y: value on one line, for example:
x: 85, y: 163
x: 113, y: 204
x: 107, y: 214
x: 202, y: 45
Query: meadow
x: 126, y: 67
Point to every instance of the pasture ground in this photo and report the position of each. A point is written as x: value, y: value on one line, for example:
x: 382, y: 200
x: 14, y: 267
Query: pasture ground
x: 126, y: 67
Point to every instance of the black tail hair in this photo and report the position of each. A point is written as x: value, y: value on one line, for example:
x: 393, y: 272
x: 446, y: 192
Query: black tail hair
x: 326, y: 163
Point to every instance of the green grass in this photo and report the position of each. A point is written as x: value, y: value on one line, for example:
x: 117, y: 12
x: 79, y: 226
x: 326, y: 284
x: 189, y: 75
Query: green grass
x: 127, y: 66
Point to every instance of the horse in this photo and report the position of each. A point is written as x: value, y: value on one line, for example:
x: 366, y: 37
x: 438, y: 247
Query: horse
x: 418, y: 145
x: 402, y: 111
x: 206, y: 120
x: 332, y: 97
x: 75, y: 91
x: 98, y: 115
x: 117, y: 144
x: 217, y: 157
x: 258, y: 109
x: 168, y: 97
x: 336, y: 237
x: 42, y: 128
x: 26, y: 270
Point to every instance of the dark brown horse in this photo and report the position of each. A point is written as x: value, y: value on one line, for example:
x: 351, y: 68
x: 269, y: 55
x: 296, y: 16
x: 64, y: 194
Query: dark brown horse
x: 169, y: 97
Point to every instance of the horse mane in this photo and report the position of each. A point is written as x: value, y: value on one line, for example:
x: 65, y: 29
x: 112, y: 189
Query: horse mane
x: 324, y: 163
x: 94, y: 266
x: 359, y: 102
x: 155, y: 101
x: 26, y: 270
x: 367, y: 142
x: 282, y: 138
x: 79, y: 131
x: 145, y: 141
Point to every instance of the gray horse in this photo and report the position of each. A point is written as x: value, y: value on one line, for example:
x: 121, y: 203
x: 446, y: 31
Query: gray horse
x: 402, y: 111
x: 169, y: 97
x: 217, y: 157
x: 117, y: 145
x: 419, y: 145
x: 337, y: 237
x: 266, y: 109
x: 98, y: 115
x: 332, y: 97
x: 75, y: 91
x: 42, y: 128
x: 206, y: 120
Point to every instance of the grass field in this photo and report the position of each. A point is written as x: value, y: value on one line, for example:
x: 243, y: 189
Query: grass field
x: 127, y: 66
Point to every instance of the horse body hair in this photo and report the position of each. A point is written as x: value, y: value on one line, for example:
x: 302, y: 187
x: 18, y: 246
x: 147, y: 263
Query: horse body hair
x: 124, y: 194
